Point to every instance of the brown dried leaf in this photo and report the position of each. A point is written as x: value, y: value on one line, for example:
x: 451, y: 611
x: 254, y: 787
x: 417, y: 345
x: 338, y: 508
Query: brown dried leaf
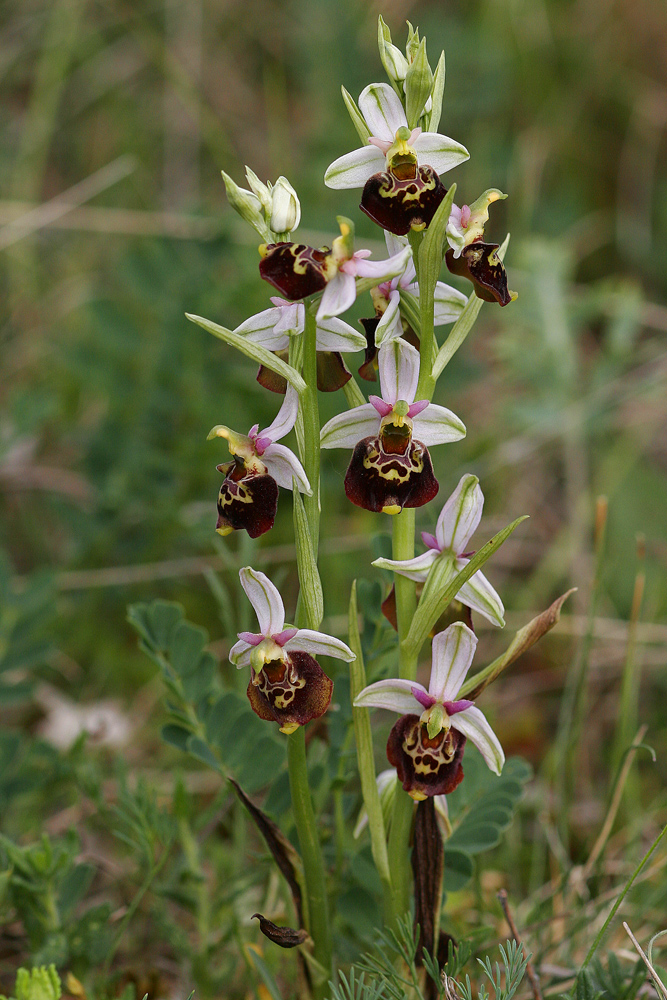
x: 285, y: 937
x: 285, y: 856
x: 522, y: 641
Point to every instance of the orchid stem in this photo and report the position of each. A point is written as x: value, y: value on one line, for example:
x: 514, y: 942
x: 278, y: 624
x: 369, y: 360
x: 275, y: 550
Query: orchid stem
x: 403, y: 547
x: 302, y: 805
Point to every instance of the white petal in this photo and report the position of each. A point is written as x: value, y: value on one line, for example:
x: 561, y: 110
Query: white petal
x: 282, y: 465
x: 352, y: 170
x: 382, y: 110
x: 336, y: 335
x: 479, y: 595
x: 439, y: 151
x: 383, y: 270
x: 265, y: 599
x: 437, y: 425
x: 390, y: 326
x: 471, y: 723
x: 292, y: 318
x: 415, y: 569
x: 319, y: 644
x: 260, y: 329
x: 395, y: 695
x: 398, y: 363
x: 452, y: 654
x: 285, y: 418
x: 239, y: 654
x: 460, y: 515
x: 449, y: 303
x: 347, y: 429
x: 395, y: 243
x: 338, y: 296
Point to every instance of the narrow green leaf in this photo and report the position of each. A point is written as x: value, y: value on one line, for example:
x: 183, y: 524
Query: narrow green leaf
x: 437, y: 92
x: 254, y: 351
x: 203, y: 752
x: 264, y: 973
x: 438, y: 593
x: 311, y: 585
x: 357, y: 118
x: 432, y: 250
x: 364, y: 743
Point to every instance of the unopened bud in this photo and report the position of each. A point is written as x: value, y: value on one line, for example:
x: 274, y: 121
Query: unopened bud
x: 285, y: 207
x: 261, y: 190
x: 246, y: 204
x: 418, y: 83
x: 393, y: 60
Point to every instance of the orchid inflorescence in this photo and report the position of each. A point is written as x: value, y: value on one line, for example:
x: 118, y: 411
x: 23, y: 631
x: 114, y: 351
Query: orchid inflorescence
x: 298, y: 342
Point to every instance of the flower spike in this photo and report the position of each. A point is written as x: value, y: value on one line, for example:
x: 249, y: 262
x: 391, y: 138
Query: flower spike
x: 427, y: 749
x: 456, y: 525
x: 390, y: 466
x: 248, y: 497
x: 287, y: 684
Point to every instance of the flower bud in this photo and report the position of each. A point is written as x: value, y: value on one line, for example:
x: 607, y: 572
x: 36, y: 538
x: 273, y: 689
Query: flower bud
x: 246, y: 204
x: 418, y: 84
x: 263, y: 191
x: 285, y: 207
x: 393, y: 60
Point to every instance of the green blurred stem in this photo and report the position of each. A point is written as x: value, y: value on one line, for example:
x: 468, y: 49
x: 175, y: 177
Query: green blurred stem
x: 311, y: 853
x: 302, y: 805
x: 403, y: 547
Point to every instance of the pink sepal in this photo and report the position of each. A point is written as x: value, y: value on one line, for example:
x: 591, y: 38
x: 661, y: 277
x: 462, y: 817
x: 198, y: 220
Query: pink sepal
x: 452, y: 707
x: 384, y: 145
x: 252, y: 638
x: 423, y: 697
x: 252, y: 433
x: 417, y: 407
x: 380, y: 405
x: 282, y: 637
x: 430, y: 541
x: 261, y: 444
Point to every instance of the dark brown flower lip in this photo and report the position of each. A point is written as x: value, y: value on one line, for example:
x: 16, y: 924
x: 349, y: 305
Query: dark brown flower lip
x: 401, y: 205
x: 425, y: 766
x: 246, y: 502
x: 294, y: 269
x: 292, y: 692
x: 378, y: 481
x: 479, y: 262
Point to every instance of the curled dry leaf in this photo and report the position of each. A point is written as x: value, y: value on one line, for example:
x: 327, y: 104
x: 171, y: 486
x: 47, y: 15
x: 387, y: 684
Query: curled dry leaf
x: 285, y: 937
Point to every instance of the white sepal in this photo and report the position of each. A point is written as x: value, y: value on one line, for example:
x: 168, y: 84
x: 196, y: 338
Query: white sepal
x: 452, y: 655
x: 239, y: 654
x: 285, y: 418
x: 395, y: 695
x: 346, y: 429
x: 382, y: 110
x: 449, y: 303
x: 282, y: 464
x: 261, y: 329
x: 437, y: 425
x: 398, y: 364
x: 383, y: 270
x: 390, y: 326
x: 479, y: 595
x: 352, y: 170
x: 460, y: 516
x: 319, y: 644
x: 415, y: 569
x: 439, y: 151
x: 265, y: 599
x: 472, y: 723
x: 338, y: 295
x: 335, y: 335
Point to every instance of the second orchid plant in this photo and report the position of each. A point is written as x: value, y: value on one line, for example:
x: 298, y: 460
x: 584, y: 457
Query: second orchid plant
x: 298, y: 342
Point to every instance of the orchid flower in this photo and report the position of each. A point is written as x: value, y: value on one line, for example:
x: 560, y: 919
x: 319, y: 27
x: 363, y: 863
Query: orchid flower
x: 426, y: 749
x: 387, y: 782
x: 399, y: 167
x: 449, y: 302
x: 287, y: 684
x: 272, y: 328
x: 248, y: 497
x: 390, y: 466
x: 455, y: 527
x: 296, y: 270
x: 470, y: 257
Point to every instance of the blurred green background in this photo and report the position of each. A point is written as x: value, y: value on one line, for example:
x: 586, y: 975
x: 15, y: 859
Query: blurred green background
x: 116, y: 120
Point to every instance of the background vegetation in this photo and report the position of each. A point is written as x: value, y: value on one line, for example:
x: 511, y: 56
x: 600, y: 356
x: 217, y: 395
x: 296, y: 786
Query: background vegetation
x: 116, y: 119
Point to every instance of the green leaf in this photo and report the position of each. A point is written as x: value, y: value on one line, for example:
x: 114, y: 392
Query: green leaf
x: 485, y: 807
x: 176, y: 736
x: 254, y: 351
x: 186, y: 646
x: 203, y: 752
x: 437, y: 92
x: 74, y: 887
x: 459, y: 869
x: 432, y: 249
x: 357, y: 118
x: 264, y: 973
x: 438, y: 592
x: 311, y: 586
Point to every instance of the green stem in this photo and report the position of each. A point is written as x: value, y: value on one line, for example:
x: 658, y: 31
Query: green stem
x: 302, y: 805
x: 403, y: 547
x: 311, y: 854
